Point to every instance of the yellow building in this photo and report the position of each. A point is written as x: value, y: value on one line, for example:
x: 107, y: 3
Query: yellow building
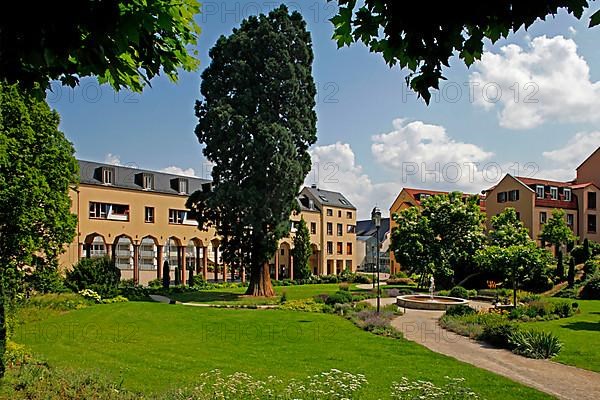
x: 138, y: 218
x: 534, y: 199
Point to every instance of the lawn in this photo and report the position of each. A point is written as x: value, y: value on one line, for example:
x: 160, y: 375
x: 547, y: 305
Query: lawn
x: 157, y: 347
x: 236, y: 295
x: 580, y: 335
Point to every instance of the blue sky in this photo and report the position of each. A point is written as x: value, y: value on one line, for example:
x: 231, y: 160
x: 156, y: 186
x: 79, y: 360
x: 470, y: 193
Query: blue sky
x: 374, y: 137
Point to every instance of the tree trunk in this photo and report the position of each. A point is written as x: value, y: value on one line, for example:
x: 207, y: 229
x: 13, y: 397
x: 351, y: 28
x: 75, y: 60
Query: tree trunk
x: 260, y: 281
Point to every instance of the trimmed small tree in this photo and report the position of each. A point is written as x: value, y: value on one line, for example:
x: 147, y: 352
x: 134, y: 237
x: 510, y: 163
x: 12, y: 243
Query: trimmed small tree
x: 257, y: 121
x: 302, y: 251
x: 166, y: 275
x: 571, y: 275
x: 586, y: 250
x: 557, y: 232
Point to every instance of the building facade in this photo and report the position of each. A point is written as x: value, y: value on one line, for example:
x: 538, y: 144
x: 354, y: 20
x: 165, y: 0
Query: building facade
x: 366, y: 242
x: 139, y: 219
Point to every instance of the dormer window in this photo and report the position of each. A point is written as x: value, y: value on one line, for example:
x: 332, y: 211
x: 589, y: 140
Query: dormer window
x: 323, y: 198
x: 311, y: 204
x: 553, y: 193
x: 344, y: 202
x: 567, y: 194
x: 539, y: 191
x: 108, y: 176
x: 148, y: 181
x: 183, y: 186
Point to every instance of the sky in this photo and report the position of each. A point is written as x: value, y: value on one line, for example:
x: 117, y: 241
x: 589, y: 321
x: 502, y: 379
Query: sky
x: 529, y: 107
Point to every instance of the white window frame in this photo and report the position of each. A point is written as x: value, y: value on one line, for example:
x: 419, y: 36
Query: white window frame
x: 184, y: 186
x: 537, y: 191
x: 146, y: 214
x: 553, y: 192
x: 572, y: 218
x: 148, y: 181
x: 176, y: 217
x: 108, y: 176
x: 543, y: 217
x: 569, y: 196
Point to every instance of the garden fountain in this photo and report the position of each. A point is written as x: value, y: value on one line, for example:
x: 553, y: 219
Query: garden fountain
x: 429, y: 302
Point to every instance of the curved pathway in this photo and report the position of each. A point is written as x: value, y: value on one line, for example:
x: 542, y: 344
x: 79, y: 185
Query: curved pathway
x: 559, y: 380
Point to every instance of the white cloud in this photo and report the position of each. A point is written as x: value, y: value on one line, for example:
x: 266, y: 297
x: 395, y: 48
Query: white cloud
x: 179, y: 171
x: 572, y: 31
x: 112, y: 159
x: 573, y: 153
x: 335, y: 168
x: 553, y: 84
x: 423, y: 155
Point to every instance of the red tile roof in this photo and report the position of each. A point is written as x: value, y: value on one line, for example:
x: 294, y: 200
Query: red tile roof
x: 535, y: 181
x: 581, y: 185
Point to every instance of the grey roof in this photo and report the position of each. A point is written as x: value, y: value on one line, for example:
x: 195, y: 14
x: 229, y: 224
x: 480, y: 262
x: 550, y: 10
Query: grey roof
x: 90, y: 173
x: 328, y: 198
x: 367, y: 228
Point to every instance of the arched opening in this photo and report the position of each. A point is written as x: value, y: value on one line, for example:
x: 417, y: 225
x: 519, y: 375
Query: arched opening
x: 94, y: 246
x: 147, y: 260
x: 284, y: 261
x: 124, y: 253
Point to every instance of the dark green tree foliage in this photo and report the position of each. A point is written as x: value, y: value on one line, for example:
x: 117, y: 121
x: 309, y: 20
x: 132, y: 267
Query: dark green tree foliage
x: 560, y: 265
x: 123, y: 43
x: 571, y: 275
x: 166, y: 275
x: 423, y: 38
x: 257, y: 121
x: 586, y: 250
x: 507, y: 230
x: 37, y: 167
x: 441, y: 238
x: 302, y: 251
x: 98, y: 274
x: 177, y: 276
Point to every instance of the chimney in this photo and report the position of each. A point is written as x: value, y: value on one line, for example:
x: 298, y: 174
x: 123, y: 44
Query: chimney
x: 314, y: 186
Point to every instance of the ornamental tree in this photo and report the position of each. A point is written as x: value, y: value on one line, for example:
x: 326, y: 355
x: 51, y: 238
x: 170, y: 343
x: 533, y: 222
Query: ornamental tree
x: 257, y: 121
x: 557, y: 233
x: 37, y: 167
x: 302, y: 251
x: 122, y: 43
x: 507, y: 230
x: 423, y: 38
x: 441, y: 237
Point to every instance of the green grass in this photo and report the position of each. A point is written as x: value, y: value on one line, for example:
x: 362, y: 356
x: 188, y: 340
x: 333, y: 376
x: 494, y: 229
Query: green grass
x: 236, y: 295
x: 157, y: 347
x: 580, y: 335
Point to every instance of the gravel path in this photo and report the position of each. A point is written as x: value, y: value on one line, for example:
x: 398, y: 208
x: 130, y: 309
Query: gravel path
x: 561, y: 381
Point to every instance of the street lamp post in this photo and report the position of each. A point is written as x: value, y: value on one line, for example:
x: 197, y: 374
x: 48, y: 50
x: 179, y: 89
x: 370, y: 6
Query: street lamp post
x: 373, y: 264
x: 376, y: 218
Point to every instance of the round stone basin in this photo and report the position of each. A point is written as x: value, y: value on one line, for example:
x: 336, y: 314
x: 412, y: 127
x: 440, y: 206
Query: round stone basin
x: 425, y: 302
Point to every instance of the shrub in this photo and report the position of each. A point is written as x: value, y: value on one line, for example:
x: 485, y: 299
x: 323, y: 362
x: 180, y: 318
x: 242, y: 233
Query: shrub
x: 283, y: 297
x: 117, y: 299
x: 363, y: 305
x: 563, y: 309
x: 307, y: 305
x: 591, y: 290
x: 539, y: 308
x: 46, y: 280
x: 329, y: 279
x: 157, y: 283
x: 399, y: 274
x: 321, y: 298
x: 529, y: 298
x: 498, y: 333
x: 393, y: 308
x: 59, y: 302
x: 339, y: 297
x: 97, y: 274
x: 134, y: 292
x: 392, y: 293
x: 579, y: 254
x: 460, y: 292
x: 91, y: 295
x: 460, y: 310
x: 400, y: 281
x: 590, y: 268
x: 345, y: 286
x: 361, y: 278
x: 535, y: 344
